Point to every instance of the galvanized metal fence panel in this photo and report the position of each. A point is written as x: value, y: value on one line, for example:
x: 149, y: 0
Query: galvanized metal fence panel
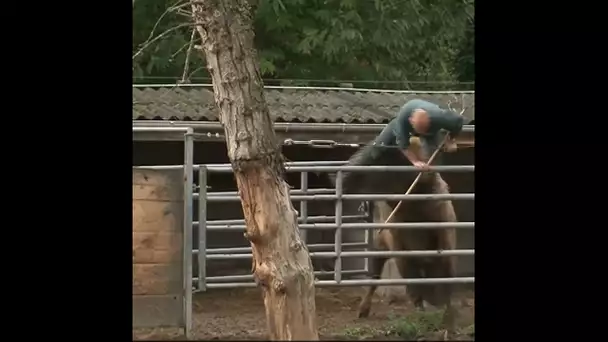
x: 303, y: 195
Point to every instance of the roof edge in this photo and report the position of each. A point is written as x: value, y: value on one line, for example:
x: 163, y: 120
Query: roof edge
x: 362, y: 90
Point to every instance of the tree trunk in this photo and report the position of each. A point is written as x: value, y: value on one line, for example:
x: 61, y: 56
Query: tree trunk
x: 281, y: 263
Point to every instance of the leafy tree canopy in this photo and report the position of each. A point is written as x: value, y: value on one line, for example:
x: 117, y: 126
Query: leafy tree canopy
x: 398, y: 43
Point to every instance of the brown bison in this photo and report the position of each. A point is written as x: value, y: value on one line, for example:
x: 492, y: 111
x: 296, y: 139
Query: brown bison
x: 410, y: 211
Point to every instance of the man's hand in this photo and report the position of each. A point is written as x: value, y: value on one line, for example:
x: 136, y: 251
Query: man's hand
x: 421, y: 165
x: 450, y: 146
x: 413, y: 158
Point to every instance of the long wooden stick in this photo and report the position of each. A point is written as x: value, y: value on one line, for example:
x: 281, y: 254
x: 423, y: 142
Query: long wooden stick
x: 417, y: 178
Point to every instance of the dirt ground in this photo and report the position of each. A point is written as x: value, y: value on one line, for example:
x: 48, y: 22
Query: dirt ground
x: 239, y: 315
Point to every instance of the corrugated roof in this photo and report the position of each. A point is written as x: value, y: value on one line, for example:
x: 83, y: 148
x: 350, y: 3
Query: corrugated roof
x: 291, y: 105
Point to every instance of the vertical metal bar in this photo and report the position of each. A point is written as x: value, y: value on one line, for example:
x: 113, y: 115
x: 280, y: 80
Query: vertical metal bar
x: 304, y: 204
x: 188, y: 185
x: 202, y: 228
x: 338, y: 237
x: 366, y: 248
x: 369, y: 233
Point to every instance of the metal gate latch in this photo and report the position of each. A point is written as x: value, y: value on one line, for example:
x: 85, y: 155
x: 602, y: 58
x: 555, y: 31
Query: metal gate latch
x: 322, y: 143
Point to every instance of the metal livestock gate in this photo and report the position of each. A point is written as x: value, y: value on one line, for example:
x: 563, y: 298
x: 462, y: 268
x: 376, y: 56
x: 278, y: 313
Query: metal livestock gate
x: 202, y: 282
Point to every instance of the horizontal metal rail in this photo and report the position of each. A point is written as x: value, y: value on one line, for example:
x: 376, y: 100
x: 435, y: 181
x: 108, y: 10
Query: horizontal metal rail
x: 311, y: 219
x: 362, y: 225
x: 237, y: 250
x: 287, y: 164
x: 161, y: 129
x: 362, y: 197
x: 291, y: 192
x: 248, y: 249
x: 352, y: 168
x: 293, y: 163
x: 209, y: 86
x: 362, y: 282
x: 247, y: 277
x: 310, y: 167
x: 390, y: 254
x: 284, y: 127
x: 365, y: 254
x: 302, y: 163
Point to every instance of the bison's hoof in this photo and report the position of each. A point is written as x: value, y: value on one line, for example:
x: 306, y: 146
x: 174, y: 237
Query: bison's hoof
x: 363, y: 313
x: 447, y: 335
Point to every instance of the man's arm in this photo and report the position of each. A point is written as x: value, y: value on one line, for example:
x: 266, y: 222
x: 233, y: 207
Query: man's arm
x: 452, y: 122
x: 401, y: 130
x: 411, y: 156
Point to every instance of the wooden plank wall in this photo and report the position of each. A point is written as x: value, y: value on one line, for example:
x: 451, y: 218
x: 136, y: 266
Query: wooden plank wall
x: 157, y: 248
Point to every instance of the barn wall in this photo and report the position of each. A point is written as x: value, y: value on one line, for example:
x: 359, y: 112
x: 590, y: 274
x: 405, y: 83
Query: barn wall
x: 170, y: 153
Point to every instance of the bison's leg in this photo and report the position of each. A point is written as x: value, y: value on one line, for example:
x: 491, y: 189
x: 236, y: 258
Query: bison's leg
x: 376, y: 264
x: 416, y: 269
x: 447, y: 241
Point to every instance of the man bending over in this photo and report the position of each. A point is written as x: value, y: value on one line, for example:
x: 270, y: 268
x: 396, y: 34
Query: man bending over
x: 425, y: 120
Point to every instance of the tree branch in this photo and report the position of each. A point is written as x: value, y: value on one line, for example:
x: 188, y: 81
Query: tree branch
x: 146, y: 44
x: 185, y: 77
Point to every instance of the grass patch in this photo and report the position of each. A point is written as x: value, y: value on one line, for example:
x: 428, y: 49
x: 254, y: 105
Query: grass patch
x: 469, y: 331
x: 411, y: 327
x: 364, y: 332
x: 415, y: 325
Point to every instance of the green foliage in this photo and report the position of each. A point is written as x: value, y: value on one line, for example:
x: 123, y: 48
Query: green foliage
x: 416, y: 325
x: 385, y: 40
x: 464, y: 65
x: 164, y: 56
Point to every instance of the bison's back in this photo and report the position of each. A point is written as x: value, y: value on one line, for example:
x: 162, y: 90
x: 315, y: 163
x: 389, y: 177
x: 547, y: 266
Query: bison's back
x: 388, y: 182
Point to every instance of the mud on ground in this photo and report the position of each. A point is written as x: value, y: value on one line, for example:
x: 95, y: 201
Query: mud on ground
x: 239, y: 315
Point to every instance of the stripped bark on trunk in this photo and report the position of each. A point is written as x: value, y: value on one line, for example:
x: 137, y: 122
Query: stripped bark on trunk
x: 281, y: 263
